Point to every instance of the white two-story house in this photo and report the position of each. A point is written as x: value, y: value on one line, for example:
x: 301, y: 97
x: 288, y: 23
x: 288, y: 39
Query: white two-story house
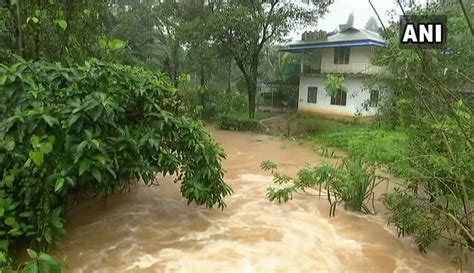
x: 347, y: 53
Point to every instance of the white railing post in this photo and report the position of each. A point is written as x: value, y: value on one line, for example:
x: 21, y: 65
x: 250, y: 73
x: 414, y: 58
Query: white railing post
x: 302, y: 62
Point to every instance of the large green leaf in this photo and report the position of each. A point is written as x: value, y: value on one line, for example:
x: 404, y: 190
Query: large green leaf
x: 37, y: 157
x: 62, y: 24
x: 31, y: 268
x: 59, y: 184
x: 97, y: 175
x: 116, y: 44
x: 8, y: 180
x: 3, y: 79
x: 32, y: 253
x: 50, y: 120
x: 9, y: 145
x: 84, y: 165
x: 46, y: 147
x: 102, y: 43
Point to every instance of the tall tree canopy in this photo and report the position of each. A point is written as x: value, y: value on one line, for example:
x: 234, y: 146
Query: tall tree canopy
x: 241, y: 29
x: 372, y: 24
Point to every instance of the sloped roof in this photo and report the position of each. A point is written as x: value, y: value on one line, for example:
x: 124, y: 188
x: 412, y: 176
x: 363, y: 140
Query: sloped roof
x: 348, y: 36
x: 354, y: 34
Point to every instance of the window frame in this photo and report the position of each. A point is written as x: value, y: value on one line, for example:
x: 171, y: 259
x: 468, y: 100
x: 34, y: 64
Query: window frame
x: 342, y: 55
x: 313, y: 88
x: 340, y: 99
x: 374, y: 98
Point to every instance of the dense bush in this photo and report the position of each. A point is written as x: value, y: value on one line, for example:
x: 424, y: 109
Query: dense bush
x: 225, y: 102
x: 238, y: 123
x: 429, y: 92
x: 440, y: 187
x: 97, y: 128
x: 207, y: 103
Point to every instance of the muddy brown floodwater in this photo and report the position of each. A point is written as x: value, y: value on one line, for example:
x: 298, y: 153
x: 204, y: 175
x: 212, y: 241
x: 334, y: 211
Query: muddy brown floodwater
x: 151, y: 229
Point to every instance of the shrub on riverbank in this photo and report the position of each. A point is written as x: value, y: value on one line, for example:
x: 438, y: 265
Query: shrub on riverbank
x: 350, y: 183
x: 96, y: 128
x: 237, y: 122
x: 386, y: 147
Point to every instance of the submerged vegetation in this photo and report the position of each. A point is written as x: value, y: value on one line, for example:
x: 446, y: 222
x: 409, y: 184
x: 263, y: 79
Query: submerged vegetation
x: 238, y: 123
x: 350, y: 183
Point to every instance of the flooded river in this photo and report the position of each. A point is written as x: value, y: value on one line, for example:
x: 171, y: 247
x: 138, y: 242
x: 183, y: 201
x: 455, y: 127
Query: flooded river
x: 151, y: 229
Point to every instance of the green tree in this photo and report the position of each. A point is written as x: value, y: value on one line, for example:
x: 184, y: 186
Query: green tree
x: 428, y: 91
x: 241, y: 29
x: 54, y: 30
x: 372, y: 24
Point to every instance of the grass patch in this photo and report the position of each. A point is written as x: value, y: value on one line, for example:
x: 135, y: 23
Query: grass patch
x: 371, y: 143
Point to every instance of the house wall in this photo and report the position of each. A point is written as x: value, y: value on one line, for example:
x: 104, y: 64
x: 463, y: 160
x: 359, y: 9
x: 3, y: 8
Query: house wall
x: 359, y: 61
x: 356, y: 96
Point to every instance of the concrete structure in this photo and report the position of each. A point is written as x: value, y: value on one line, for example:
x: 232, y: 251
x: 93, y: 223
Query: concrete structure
x: 348, y: 53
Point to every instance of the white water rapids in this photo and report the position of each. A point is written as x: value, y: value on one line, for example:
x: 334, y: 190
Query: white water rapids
x: 151, y: 229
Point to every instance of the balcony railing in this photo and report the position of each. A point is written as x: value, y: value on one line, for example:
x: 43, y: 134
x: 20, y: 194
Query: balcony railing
x: 351, y: 68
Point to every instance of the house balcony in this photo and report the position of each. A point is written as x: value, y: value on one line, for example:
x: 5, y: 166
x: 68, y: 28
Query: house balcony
x: 352, y: 68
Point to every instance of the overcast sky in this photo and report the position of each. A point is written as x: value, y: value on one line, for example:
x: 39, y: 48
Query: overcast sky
x: 340, y: 10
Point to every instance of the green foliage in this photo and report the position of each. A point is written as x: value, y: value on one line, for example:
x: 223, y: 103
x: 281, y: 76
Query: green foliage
x: 428, y: 92
x: 5, y: 42
x: 267, y: 165
x: 238, y: 123
x: 41, y: 262
x: 413, y: 217
x: 351, y: 182
x: 224, y: 102
x: 380, y: 146
x: 372, y: 24
x: 55, y: 30
x: 206, y: 103
x: 96, y: 128
x: 37, y: 263
x: 440, y: 185
x: 241, y: 29
x: 334, y: 84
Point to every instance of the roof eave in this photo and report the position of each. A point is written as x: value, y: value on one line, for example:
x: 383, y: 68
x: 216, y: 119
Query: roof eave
x: 297, y: 48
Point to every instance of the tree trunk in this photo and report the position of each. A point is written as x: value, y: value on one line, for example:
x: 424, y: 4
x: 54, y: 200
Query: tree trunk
x: 252, y: 86
x: 202, y: 88
x: 251, y: 92
x: 229, y: 74
x: 251, y: 97
x: 251, y: 82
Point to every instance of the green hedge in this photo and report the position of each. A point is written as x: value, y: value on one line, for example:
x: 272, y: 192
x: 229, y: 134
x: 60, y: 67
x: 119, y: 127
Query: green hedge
x: 237, y: 122
x: 96, y: 128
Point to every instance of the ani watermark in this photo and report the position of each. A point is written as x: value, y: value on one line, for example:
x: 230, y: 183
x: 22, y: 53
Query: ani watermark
x: 419, y: 31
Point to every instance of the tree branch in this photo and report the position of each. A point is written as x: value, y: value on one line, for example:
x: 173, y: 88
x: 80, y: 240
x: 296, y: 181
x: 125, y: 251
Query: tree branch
x: 266, y: 37
x: 468, y: 20
x: 380, y: 20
